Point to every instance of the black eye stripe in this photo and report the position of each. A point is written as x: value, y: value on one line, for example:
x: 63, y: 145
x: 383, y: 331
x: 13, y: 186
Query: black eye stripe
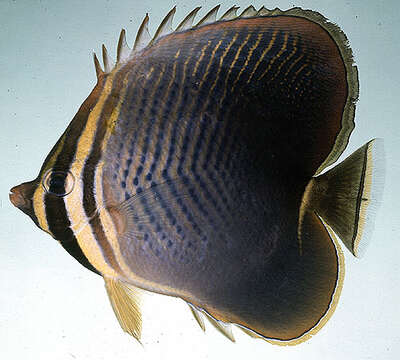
x: 58, y: 183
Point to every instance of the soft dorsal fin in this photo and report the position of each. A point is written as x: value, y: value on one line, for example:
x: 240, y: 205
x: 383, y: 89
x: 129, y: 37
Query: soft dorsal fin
x: 125, y: 301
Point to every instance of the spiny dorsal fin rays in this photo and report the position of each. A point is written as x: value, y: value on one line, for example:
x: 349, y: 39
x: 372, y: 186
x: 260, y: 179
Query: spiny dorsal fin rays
x: 198, y: 317
x: 275, y: 11
x: 166, y: 25
x: 107, y: 61
x: 123, y: 50
x: 230, y: 14
x: 144, y: 39
x: 97, y: 66
x: 223, y: 328
x: 143, y: 36
x: 125, y: 301
x: 210, y: 17
x: 263, y: 11
x: 187, y: 22
x: 249, y: 12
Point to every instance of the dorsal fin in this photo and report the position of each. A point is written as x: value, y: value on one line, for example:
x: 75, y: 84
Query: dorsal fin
x: 97, y: 66
x: 107, y: 61
x: 263, y: 11
x: 249, y: 12
x: 230, y: 13
x: 187, y: 22
x: 123, y: 50
x: 143, y: 36
x: 210, y: 17
x: 144, y: 39
x: 166, y: 25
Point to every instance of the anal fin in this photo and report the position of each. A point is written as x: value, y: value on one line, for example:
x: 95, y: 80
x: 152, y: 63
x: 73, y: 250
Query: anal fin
x: 125, y: 301
x: 224, y: 328
x: 198, y: 317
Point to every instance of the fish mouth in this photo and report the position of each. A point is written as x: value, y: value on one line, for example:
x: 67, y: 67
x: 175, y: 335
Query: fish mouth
x: 21, y: 197
x: 17, y: 199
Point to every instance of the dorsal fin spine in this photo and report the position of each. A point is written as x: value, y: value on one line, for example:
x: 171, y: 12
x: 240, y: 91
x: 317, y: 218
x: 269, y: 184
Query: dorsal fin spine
x: 123, y: 50
x: 210, y: 17
x: 107, y: 61
x: 248, y: 12
x: 97, y: 66
x: 187, y: 22
x: 166, y: 25
x: 143, y: 36
x: 230, y: 14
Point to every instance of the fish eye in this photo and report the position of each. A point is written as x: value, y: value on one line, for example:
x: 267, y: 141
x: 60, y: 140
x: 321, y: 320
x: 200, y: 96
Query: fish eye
x: 59, y: 183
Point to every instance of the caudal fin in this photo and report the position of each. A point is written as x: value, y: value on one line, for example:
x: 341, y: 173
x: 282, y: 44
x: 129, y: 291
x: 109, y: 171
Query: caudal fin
x: 347, y: 197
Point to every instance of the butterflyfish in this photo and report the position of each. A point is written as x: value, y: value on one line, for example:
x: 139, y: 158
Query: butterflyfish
x: 197, y: 168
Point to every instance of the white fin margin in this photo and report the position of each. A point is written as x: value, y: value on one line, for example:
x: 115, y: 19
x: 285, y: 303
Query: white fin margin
x: 375, y: 176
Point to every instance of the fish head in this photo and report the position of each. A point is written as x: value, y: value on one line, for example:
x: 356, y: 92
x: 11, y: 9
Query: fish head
x: 43, y: 200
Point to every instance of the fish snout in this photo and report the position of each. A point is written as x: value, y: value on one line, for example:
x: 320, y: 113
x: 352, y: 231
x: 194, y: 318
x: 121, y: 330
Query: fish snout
x: 21, y: 197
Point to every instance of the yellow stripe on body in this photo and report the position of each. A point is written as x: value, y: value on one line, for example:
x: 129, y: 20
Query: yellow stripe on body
x: 128, y: 138
x: 169, y: 124
x: 208, y: 137
x: 210, y: 61
x: 74, y: 201
x: 174, y: 113
x: 39, y: 206
x: 202, y: 53
x: 208, y: 134
x: 286, y: 60
x: 293, y: 64
x: 180, y: 137
x: 105, y: 218
x: 249, y: 55
x: 218, y: 141
x: 149, y: 159
x: 108, y: 225
x: 231, y: 67
x: 141, y: 132
x: 265, y: 52
x: 276, y: 57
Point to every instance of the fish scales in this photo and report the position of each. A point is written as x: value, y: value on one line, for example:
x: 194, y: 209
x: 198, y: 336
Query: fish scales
x: 190, y: 170
x: 203, y: 183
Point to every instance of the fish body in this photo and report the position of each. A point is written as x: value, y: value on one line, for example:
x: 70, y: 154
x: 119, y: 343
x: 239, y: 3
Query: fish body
x: 192, y: 169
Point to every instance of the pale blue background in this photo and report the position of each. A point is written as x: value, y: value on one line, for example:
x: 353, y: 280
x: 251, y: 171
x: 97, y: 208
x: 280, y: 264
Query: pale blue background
x: 52, y: 308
